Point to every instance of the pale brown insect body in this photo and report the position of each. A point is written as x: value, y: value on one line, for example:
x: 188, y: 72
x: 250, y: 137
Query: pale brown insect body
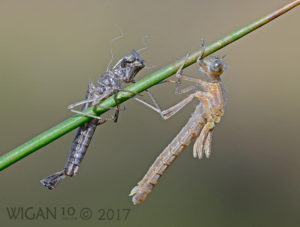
x: 200, y: 125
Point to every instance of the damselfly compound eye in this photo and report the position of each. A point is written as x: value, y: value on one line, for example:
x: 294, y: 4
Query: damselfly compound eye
x: 216, y: 66
x: 130, y: 59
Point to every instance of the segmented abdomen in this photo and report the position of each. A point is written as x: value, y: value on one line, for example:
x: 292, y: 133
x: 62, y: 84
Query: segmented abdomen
x: 81, y: 140
x: 167, y: 157
x: 79, y: 146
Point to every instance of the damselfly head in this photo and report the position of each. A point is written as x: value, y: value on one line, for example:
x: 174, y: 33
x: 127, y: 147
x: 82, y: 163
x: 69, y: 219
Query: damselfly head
x: 138, y: 62
x: 213, y: 66
x: 216, y: 65
x: 132, y: 64
x: 133, y: 60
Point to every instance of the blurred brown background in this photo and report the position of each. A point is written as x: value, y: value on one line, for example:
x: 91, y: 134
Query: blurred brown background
x: 49, y: 51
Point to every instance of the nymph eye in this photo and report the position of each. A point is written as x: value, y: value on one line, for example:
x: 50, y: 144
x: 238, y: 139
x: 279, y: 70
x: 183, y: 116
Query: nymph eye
x: 136, y: 55
x: 216, y: 66
x: 130, y: 58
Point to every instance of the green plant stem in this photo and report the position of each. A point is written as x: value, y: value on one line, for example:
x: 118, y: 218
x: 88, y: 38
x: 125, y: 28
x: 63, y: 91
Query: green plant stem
x: 145, y: 83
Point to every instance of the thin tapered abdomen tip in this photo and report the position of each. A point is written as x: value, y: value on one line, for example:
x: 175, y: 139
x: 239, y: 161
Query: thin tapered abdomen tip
x: 47, y: 184
x: 133, y: 191
x: 138, y: 195
x: 52, y: 181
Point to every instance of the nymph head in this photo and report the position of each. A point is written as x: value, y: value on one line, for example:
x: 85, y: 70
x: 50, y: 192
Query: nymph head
x: 132, y: 64
x: 212, y: 66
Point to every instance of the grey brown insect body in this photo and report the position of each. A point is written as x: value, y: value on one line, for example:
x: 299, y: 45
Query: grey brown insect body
x: 109, y: 83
